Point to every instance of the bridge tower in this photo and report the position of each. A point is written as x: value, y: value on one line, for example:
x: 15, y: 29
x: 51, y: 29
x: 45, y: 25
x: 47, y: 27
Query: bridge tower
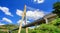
x: 23, y: 17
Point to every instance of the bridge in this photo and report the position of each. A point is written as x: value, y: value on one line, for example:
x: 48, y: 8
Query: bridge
x: 46, y: 19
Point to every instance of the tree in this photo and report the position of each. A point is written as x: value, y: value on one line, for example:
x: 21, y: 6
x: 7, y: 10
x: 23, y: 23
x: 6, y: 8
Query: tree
x: 56, y: 8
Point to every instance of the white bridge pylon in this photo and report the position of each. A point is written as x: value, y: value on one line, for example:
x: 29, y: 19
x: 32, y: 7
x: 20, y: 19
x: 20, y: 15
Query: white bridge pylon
x: 23, y: 17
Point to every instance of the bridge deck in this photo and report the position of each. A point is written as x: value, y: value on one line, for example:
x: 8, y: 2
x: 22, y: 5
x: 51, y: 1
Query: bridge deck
x: 38, y: 22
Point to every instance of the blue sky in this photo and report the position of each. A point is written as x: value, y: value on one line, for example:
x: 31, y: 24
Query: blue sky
x: 11, y: 10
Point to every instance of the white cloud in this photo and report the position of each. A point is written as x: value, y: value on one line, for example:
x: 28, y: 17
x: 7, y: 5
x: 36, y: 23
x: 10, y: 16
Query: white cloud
x: 31, y: 14
x: 2, y: 24
x: 39, y: 1
x: 7, y: 20
x: 23, y: 23
x: 35, y: 14
x: 6, y: 10
x: 19, y: 12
